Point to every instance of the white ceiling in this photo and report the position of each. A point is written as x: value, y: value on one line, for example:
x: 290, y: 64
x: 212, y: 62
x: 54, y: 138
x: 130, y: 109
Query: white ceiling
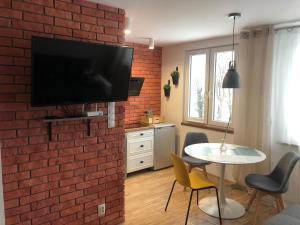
x: 175, y: 21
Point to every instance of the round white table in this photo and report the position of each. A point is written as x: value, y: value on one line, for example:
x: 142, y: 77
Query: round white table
x: 233, y: 155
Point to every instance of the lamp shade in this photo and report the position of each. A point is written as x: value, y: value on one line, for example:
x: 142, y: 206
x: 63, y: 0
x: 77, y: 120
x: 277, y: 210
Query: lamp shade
x: 232, y: 78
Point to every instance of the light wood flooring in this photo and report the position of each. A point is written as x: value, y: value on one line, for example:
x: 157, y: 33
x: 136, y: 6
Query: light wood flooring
x: 146, y: 194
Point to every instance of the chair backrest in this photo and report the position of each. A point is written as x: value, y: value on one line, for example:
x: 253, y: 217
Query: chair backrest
x: 180, y: 171
x: 283, y: 170
x: 194, y: 138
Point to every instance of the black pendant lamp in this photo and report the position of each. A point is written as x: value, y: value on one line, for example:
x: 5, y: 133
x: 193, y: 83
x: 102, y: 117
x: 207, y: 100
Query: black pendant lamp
x: 232, y: 78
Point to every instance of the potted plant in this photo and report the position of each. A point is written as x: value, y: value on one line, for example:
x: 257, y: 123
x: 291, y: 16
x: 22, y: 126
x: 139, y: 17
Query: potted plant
x: 167, y: 89
x: 175, y: 76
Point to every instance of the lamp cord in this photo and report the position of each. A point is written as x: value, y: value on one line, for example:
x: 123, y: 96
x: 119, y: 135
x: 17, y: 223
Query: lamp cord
x: 233, y: 39
x: 225, y: 134
x: 227, y: 127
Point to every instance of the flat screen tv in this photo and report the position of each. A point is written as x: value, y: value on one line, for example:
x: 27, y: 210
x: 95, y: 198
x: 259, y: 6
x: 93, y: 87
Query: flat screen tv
x: 73, y: 72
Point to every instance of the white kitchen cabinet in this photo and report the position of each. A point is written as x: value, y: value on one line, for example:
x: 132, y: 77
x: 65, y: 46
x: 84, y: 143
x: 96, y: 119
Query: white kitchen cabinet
x: 139, y: 150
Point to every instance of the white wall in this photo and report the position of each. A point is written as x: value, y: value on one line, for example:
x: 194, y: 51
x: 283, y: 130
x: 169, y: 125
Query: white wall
x: 172, y: 107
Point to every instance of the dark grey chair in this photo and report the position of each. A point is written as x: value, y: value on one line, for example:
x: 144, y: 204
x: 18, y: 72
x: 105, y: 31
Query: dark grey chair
x: 190, y: 139
x: 273, y: 184
x: 288, y: 216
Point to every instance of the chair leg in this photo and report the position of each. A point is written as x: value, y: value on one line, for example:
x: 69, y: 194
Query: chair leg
x: 252, y: 197
x: 197, y: 197
x: 279, y: 202
x: 170, y: 195
x: 189, y: 169
x: 259, y: 196
x: 205, y: 175
x: 188, y: 211
x: 205, y: 172
x: 220, y: 216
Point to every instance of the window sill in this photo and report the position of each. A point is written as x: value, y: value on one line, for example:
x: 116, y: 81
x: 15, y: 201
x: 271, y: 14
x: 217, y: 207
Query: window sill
x: 207, y: 126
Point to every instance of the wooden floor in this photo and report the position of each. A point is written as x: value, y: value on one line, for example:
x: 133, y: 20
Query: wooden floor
x: 146, y: 194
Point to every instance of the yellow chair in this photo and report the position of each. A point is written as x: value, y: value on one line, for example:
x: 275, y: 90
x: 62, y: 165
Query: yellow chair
x: 191, y: 180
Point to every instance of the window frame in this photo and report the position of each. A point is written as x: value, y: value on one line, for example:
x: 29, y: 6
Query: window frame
x: 209, y: 85
x: 210, y: 120
x: 187, y: 84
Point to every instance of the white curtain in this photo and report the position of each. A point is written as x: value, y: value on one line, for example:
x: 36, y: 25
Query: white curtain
x: 267, y: 109
x: 286, y: 87
x: 285, y: 106
x: 251, y: 120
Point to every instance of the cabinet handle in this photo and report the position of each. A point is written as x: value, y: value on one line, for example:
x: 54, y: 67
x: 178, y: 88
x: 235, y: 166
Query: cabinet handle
x: 141, y: 134
x: 142, y: 146
x: 141, y: 161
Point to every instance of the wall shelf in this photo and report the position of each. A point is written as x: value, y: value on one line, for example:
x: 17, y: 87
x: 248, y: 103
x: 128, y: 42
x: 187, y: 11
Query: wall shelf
x: 51, y: 119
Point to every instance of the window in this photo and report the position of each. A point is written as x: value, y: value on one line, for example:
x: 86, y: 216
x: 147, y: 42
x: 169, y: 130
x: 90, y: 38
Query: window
x: 206, y: 101
x: 197, y: 87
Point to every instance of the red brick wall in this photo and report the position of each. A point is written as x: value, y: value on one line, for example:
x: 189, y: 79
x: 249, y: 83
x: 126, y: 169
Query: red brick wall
x: 63, y: 181
x: 147, y: 64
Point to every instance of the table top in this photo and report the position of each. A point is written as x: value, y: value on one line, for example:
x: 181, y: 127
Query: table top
x: 234, y: 154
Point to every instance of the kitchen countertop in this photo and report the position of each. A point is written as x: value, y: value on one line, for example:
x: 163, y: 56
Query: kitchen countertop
x: 146, y: 127
x: 142, y: 127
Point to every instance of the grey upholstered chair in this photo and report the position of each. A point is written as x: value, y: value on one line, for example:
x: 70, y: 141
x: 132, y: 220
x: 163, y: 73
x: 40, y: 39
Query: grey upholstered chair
x: 190, y: 139
x: 288, y: 216
x: 273, y: 184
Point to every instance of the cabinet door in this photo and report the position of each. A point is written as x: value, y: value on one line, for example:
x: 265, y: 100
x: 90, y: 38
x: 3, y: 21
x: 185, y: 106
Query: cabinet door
x: 139, y: 134
x: 140, y: 146
x: 139, y: 162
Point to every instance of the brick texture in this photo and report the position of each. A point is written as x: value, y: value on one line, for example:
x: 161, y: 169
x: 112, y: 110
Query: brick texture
x: 63, y: 181
x: 147, y: 64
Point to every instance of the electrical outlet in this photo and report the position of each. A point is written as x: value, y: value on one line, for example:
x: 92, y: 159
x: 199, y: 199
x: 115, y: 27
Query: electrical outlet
x: 101, y: 209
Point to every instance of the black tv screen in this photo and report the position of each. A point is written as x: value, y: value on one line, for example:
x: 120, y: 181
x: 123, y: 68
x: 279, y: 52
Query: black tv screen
x: 71, y: 72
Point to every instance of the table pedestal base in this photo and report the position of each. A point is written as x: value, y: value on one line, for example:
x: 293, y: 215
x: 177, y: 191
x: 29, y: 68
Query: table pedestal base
x: 230, y: 209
